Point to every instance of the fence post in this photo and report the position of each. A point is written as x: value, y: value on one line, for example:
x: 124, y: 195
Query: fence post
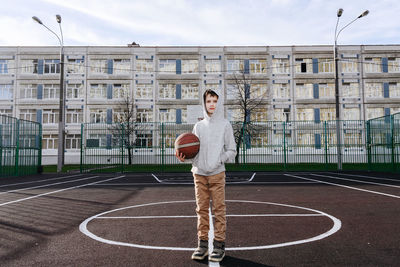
x: 40, y: 148
x: 326, y: 144
x: 368, y: 143
x: 17, y: 149
x: 244, y: 143
x: 162, y: 147
x: 284, y: 145
x: 82, y: 136
x: 122, y: 147
x: 392, y: 142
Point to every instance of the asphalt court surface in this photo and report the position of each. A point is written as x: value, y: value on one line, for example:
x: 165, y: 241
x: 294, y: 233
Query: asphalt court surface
x: 148, y: 219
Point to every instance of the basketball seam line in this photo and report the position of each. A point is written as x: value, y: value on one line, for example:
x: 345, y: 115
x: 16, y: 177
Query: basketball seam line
x: 186, y: 145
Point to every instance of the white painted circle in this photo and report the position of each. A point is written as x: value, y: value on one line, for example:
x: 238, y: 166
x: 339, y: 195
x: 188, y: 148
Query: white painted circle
x: 337, y: 224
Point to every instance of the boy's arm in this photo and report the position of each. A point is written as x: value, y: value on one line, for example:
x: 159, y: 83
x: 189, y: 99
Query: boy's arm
x: 229, y: 152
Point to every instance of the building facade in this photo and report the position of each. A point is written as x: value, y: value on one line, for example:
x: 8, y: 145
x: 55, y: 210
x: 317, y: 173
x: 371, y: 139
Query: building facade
x: 165, y: 84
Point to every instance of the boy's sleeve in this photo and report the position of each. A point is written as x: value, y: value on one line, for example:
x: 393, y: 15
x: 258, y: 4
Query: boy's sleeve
x: 229, y: 152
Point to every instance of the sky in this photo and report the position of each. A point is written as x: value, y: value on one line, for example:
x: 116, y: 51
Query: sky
x: 199, y: 22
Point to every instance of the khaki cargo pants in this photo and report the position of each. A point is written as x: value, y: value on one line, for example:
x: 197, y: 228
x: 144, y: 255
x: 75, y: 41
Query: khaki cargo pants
x: 210, y: 188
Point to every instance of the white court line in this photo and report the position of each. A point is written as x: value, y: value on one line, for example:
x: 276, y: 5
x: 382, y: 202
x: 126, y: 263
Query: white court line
x: 194, y: 216
x: 363, y: 176
x: 255, y: 183
x: 40, y: 186
x: 57, y: 191
x: 352, y: 180
x: 44, y: 180
x: 174, y: 183
x: 345, y: 186
x: 211, y: 239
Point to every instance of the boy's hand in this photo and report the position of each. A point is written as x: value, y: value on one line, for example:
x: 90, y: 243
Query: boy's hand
x: 180, y: 156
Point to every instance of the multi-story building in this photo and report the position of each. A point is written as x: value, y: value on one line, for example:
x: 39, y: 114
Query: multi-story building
x: 165, y: 84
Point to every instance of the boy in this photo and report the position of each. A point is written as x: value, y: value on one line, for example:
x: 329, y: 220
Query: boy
x: 217, y: 146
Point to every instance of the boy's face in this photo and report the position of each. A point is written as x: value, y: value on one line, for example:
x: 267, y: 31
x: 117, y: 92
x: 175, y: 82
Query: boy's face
x: 211, y: 104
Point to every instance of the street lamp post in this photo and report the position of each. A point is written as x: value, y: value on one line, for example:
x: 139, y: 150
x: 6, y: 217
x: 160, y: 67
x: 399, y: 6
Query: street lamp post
x: 336, y: 60
x: 61, y: 122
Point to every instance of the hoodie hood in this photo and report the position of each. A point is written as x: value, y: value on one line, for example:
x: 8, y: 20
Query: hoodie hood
x: 218, y: 114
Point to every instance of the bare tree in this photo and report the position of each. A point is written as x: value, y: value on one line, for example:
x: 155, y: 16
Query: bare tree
x: 248, y: 101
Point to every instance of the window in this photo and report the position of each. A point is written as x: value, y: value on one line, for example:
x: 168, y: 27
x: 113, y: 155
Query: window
x: 325, y: 65
x: 373, y: 90
x: 281, y: 90
x: 259, y: 139
x: 213, y: 65
x: 374, y: 113
x: 326, y: 90
x: 327, y: 114
x: 282, y: 114
x: 372, y: 65
x: 74, y: 90
x: 6, y: 91
x: 5, y: 66
x: 101, y: 138
x: 144, y: 140
x: 394, y: 89
x: 212, y: 86
x: 393, y: 64
x: 190, y: 91
x: 74, y: 116
x: 305, y: 114
x: 303, y: 65
x: 50, y: 116
x: 144, y: 115
x: 7, y: 112
x: 167, y: 91
x: 99, y: 66
x: 121, y: 116
x: 98, y: 115
x: 190, y: 66
x: 304, y: 91
x: 351, y: 114
x: 167, y: 65
x: 258, y: 115
x: 258, y: 91
x: 349, y: 66
x: 144, y: 65
x: 235, y: 66
x: 72, y: 141
x: 29, y: 66
x: 120, y: 91
x: 28, y: 114
x: 51, y: 66
x: 122, y: 66
x: 75, y: 65
x: 98, y: 91
x: 280, y: 66
x: 167, y: 115
x: 258, y: 66
x: 350, y: 90
x: 231, y: 91
x: 353, y: 138
x: 144, y: 91
x: 50, y: 141
x: 51, y: 91
x: 28, y: 91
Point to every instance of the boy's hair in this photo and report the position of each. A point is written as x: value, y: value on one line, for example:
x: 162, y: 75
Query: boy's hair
x: 209, y: 92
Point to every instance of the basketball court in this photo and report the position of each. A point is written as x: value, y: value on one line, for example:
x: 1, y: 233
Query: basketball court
x: 148, y: 219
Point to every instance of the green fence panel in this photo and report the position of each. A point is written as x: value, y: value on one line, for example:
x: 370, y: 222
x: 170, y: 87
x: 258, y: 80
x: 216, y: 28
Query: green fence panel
x: 20, y: 146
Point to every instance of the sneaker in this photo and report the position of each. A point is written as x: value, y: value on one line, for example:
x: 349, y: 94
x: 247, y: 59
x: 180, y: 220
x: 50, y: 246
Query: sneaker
x: 201, y: 251
x: 218, y: 252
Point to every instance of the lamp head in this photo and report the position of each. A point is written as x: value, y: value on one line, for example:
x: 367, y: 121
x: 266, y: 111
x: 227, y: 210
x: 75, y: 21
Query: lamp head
x: 58, y: 18
x: 364, y: 14
x: 37, y: 20
x: 339, y: 12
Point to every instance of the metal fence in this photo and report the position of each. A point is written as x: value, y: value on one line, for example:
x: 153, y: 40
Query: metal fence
x: 299, y: 145
x: 384, y: 143
x: 20, y: 146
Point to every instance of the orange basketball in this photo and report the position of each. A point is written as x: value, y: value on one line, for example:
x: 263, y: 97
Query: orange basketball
x: 188, y: 144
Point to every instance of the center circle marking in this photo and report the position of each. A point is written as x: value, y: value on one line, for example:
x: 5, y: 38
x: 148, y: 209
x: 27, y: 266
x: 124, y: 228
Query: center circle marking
x: 337, y: 224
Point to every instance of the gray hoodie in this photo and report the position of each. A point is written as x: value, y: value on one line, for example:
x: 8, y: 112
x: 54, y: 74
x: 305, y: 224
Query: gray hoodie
x: 217, y: 143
